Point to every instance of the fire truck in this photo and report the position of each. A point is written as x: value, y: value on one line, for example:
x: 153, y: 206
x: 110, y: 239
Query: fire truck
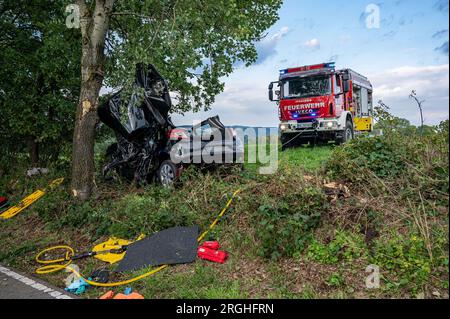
x: 317, y: 103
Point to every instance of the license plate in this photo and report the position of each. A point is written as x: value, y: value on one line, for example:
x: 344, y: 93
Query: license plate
x: 304, y: 125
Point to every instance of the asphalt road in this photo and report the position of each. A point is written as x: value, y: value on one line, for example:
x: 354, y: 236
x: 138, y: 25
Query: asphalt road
x: 15, y: 285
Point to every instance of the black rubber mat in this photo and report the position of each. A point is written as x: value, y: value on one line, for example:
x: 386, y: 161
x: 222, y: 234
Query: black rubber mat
x: 176, y: 245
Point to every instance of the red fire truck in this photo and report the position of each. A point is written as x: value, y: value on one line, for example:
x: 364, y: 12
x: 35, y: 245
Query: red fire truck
x: 317, y: 103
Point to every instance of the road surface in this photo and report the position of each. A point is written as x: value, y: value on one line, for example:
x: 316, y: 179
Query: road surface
x: 15, y: 285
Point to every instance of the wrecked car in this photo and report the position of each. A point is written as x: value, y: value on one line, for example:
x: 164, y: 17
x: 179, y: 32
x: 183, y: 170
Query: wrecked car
x: 149, y: 146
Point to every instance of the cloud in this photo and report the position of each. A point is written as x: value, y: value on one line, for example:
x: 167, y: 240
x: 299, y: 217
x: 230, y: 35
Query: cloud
x: 441, y: 5
x: 241, y: 103
x: 440, y: 34
x: 267, y: 47
x: 313, y: 44
x: 431, y: 83
x: 443, y: 48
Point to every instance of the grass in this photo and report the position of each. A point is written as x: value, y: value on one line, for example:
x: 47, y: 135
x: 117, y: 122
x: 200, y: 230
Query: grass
x: 286, y: 234
x: 307, y: 157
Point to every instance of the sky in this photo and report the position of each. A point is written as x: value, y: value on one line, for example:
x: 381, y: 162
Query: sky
x: 400, y: 45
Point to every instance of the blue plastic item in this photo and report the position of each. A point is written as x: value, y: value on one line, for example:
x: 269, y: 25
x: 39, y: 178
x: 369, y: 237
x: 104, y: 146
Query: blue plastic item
x: 127, y: 291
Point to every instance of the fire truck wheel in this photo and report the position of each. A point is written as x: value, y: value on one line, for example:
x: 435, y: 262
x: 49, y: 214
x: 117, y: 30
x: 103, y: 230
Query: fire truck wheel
x: 347, y: 134
x: 286, y: 141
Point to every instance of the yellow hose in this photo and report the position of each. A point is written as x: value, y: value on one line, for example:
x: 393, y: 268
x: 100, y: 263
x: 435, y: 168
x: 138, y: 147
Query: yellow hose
x: 64, y: 263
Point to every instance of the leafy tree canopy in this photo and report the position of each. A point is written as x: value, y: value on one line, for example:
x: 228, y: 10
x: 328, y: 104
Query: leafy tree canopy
x: 39, y: 74
x: 193, y: 43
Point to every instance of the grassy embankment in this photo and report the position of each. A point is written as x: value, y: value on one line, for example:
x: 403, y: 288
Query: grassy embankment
x: 289, y: 235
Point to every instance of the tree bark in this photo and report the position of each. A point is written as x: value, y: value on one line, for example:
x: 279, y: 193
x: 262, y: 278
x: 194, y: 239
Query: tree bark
x: 94, y: 27
x: 33, y: 151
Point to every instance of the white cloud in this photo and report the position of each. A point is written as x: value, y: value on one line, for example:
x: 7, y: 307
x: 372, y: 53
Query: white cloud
x: 431, y: 83
x: 241, y: 103
x: 313, y: 44
x: 398, y: 82
x: 267, y: 47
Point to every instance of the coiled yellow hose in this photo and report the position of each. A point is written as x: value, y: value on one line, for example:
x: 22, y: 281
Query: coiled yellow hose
x: 55, y: 265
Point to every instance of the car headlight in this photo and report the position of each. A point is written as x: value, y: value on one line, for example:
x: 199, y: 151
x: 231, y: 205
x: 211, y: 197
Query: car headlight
x: 283, y: 127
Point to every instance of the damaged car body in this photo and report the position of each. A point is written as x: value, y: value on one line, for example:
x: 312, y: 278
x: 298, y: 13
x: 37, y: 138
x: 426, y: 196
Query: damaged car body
x: 149, y: 146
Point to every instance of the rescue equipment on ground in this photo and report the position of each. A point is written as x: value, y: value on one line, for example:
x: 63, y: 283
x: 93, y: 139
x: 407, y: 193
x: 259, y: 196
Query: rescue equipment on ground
x: 209, y: 250
x: 30, y: 199
x: 65, y: 263
x: 100, y: 275
x: 113, y: 250
x: 218, y: 256
x: 127, y: 294
x: 175, y: 245
x: 211, y: 245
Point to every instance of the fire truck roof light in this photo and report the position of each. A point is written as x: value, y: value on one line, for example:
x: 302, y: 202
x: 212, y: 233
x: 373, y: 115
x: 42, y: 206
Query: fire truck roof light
x: 329, y: 65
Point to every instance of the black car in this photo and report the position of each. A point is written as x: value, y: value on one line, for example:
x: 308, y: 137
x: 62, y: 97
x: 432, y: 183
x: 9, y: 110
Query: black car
x: 149, y: 146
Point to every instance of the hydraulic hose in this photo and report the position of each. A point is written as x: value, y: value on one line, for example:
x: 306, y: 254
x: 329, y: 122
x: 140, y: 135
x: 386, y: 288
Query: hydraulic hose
x: 55, y: 265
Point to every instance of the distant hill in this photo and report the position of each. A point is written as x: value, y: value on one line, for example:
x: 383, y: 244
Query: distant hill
x: 267, y: 129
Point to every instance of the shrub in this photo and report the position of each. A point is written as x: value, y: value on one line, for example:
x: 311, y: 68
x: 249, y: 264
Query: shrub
x: 285, y: 226
x: 378, y: 155
x: 344, y: 246
x: 405, y: 261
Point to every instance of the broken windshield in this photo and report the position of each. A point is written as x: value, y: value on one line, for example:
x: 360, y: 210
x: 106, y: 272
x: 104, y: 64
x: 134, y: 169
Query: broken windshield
x: 306, y: 87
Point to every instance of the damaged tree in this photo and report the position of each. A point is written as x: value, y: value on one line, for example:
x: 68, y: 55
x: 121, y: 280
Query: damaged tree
x: 192, y: 43
x: 413, y: 95
x: 94, y: 26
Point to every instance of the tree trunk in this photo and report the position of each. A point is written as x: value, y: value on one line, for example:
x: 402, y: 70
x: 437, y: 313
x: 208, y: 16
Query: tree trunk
x: 93, y: 29
x: 33, y: 151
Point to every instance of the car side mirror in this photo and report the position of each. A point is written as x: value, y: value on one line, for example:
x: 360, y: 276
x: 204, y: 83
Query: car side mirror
x: 346, y: 86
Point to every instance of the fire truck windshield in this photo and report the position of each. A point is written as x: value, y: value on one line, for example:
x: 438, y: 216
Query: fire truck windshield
x: 306, y: 87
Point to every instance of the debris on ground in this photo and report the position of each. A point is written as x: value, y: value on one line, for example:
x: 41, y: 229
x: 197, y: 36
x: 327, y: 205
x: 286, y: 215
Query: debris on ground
x: 335, y: 190
x: 37, y: 171
x: 77, y: 287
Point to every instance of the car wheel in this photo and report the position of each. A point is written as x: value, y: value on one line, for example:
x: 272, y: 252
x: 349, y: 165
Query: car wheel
x: 167, y: 173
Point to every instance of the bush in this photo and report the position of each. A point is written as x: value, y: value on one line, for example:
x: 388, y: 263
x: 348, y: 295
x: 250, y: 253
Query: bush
x: 414, y: 164
x: 379, y: 155
x: 285, y: 227
x: 405, y: 261
x: 344, y: 246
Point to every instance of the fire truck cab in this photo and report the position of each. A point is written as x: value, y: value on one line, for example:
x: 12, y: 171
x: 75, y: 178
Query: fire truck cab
x: 318, y: 103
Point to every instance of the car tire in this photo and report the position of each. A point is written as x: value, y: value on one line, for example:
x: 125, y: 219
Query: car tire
x: 167, y: 173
